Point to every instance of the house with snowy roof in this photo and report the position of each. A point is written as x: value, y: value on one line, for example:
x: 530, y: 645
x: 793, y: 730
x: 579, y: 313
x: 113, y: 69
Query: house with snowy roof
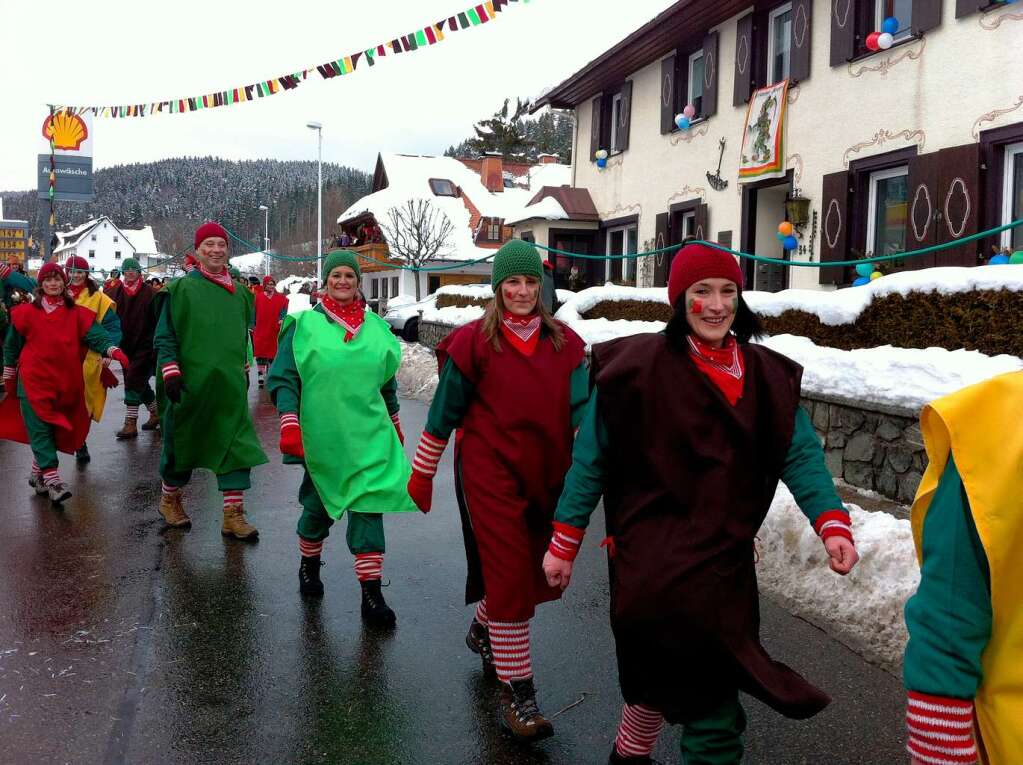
x: 105, y: 246
x: 477, y: 196
x: 873, y: 126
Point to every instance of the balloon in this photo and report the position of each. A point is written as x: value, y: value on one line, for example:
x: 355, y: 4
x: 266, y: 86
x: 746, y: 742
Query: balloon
x: 876, y: 275
x: 689, y: 111
x: 861, y: 281
x: 600, y: 154
x: 781, y: 236
x: 785, y: 228
x: 1016, y: 257
x: 602, y: 162
x: 890, y: 25
x: 682, y: 121
x: 865, y: 269
x: 871, y: 41
x: 789, y: 242
x: 998, y: 260
x: 885, y: 41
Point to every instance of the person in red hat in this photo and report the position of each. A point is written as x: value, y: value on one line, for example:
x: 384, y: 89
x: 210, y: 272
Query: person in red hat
x: 43, y: 400
x: 686, y: 435
x: 201, y: 343
x: 271, y: 308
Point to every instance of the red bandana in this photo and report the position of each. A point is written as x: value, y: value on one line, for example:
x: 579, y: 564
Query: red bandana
x: 523, y: 332
x: 75, y: 290
x: 132, y: 290
x: 51, y: 304
x: 350, y: 316
x: 223, y: 278
x: 724, y: 365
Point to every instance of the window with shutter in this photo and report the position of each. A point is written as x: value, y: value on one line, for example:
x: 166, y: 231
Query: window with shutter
x: 843, y: 31
x: 661, y: 258
x: 694, y: 83
x: 595, y: 126
x: 743, y: 80
x: 799, y: 44
x: 926, y: 15
x: 959, y: 202
x: 922, y: 210
x: 624, y: 117
x: 779, y: 40
x: 667, y: 94
x: 701, y: 226
x: 709, y: 107
x: 834, y: 232
x: 1012, y: 195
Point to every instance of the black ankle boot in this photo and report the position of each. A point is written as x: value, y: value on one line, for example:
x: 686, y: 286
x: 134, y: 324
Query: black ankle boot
x: 635, y: 759
x: 478, y: 640
x: 309, y: 576
x: 375, y: 610
x: 82, y: 455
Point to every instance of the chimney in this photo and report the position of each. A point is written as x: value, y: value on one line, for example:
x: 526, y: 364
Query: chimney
x: 492, y: 172
x: 548, y: 159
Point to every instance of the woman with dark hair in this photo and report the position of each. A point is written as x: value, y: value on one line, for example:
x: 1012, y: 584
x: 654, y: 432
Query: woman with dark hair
x: 98, y: 378
x: 514, y: 382
x: 686, y: 435
x: 43, y: 386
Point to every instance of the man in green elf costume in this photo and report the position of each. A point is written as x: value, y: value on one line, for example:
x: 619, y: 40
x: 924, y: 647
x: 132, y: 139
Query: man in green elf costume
x: 201, y: 344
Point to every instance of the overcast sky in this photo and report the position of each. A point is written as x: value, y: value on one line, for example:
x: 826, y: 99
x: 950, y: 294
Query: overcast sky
x: 115, y: 52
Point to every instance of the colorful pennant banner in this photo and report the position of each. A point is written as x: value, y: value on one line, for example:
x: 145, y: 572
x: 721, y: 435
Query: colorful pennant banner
x: 420, y: 38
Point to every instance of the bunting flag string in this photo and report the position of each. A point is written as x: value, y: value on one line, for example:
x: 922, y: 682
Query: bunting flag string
x: 470, y: 18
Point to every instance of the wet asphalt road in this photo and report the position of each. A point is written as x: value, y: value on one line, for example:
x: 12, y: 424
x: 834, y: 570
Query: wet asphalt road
x: 121, y: 642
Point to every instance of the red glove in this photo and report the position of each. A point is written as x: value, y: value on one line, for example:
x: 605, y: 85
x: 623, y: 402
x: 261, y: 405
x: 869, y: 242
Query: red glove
x: 397, y: 428
x: 420, y: 489
x: 107, y: 378
x: 118, y: 355
x: 291, y: 436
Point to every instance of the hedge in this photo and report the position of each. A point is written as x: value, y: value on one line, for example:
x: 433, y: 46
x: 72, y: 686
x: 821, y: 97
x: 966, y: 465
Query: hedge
x: 460, y: 301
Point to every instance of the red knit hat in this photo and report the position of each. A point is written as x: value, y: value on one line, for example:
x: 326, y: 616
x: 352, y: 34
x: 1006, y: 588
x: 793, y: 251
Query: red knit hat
x: 76, y: 263
x: 50, y: 269
x: 208, y: 229
x: 268, y: 280
x: 694, y: 262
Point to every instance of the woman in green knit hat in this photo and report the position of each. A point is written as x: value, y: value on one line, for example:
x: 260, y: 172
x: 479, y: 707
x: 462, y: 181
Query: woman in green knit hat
x: 347, y: 435
x: 514, y: 382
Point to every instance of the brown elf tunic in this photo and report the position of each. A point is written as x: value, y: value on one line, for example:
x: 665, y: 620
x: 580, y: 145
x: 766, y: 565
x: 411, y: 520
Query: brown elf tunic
x: 138, y: 322
x: 693, y: 480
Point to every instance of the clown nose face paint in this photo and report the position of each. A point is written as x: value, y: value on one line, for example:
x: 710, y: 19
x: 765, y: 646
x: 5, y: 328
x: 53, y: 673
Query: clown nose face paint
x: 695, y: 305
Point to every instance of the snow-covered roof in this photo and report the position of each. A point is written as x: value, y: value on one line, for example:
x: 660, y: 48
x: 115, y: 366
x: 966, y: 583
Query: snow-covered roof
x: 66, y: 239
x: 408, y: 177
x: 547, y: 208
x: 141, y: 239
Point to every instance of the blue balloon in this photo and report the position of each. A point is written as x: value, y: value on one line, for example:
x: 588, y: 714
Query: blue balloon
x: 861, y: 281
x: 998, y: 260
x: 890, y: 25
x: 601, y: 163
x: 865, y: 269
x: 682, y: 122
x: 790, y: 242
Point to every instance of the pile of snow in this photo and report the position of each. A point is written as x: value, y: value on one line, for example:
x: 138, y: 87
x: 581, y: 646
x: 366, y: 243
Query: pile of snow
x: 250, y: 264
x: 292, y: 286
x: 399, y: 300
x: 484, y: 291
x: 902, y: 377
x: 845, y: 306
x: 600, y: 330
x: 863, y: 609
x: 417, y: 375
x: 455, y: 316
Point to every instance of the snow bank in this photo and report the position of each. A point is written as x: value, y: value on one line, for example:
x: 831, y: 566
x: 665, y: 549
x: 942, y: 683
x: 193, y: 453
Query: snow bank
x: 584, y: 300
x: 417, y: 375
x: 453, y: 316
x: 902, y: 377
x: 863, y: 609
x: 250, y: 264
x: 484, y: 291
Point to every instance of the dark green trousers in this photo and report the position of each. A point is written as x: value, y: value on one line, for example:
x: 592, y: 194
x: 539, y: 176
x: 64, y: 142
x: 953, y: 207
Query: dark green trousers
x: 365, y: 530
x: 40, y: 437
x: 236, y: 480
x: 146, y: 396
x: 715, y: 738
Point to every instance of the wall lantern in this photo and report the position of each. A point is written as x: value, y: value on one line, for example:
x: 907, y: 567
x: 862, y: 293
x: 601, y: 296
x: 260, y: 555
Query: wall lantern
x: 797, y: 209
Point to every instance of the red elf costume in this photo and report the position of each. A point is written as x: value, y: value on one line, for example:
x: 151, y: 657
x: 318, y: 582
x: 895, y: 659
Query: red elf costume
x: 271, y: 308
x: 513, y: 385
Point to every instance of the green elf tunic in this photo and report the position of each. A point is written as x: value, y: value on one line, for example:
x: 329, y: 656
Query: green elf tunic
x: 345, y: 395
x: 203, y: 328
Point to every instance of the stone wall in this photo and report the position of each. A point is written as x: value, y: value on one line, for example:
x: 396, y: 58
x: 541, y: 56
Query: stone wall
x: 870, y: 446
x: 431, y: 333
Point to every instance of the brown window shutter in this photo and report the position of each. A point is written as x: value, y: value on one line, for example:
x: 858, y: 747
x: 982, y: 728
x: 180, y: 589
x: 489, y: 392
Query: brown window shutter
x: 595, y: 127
x: 921, y: 210
x: 834, y: 225
x: 710, y: 75
x: 958, y: 203
x: 667, y: 94
x: 963, y: 7
x: 661, y: 259
x: 625, y: 117
x: 701, y: 225
x: 926, y: 15
x: 843, y: 31
x: 799, y: 44
x: 743, y: 85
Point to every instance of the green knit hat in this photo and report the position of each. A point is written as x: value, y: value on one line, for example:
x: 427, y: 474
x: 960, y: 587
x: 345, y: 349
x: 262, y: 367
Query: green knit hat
x: 337, y: 258
x: 130, y: 264
x: 516, y: 258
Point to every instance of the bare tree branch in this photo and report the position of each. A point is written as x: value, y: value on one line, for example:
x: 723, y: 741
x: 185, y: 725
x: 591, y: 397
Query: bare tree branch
x: 417, y: 232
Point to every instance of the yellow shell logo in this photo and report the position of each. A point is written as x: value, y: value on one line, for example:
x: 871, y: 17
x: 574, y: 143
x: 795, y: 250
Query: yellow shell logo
x: 67, y: 131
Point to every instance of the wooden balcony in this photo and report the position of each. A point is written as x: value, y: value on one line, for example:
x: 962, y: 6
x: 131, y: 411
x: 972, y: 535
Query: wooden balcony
x: 378, y: 257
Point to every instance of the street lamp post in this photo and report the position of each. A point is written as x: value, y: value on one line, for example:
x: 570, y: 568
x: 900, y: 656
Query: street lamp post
x: 319, y: 194
x: 266, y: 239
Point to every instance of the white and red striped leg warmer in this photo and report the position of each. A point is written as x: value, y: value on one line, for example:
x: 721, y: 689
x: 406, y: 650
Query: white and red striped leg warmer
x: 170, y: 491
x: 481, y: 613
x: 133, y: 411
x: 234, y: 497
x: 833, y: 523
x: 428, y: 453
x: 289, y: 420
x: 639, y: 730
x: 309, y: 549
x: 369, y: 566
x: 940, y: 729
x: 51, y: 476
x: 510, y: 644
x: 35, y: 468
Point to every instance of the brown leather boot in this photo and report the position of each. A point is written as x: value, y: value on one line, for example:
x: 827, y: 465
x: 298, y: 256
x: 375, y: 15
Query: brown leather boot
x: 519, y: 713
x: 478, y: 640
x: 129, y: 430
x: 173, y: 511
x: 154, y: 420
x: 236, y: 525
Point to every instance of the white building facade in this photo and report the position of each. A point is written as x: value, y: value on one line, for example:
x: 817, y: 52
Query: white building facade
x: 105, y: 246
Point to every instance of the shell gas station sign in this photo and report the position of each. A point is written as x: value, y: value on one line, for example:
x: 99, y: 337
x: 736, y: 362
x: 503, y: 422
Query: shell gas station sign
x: 71, y: 160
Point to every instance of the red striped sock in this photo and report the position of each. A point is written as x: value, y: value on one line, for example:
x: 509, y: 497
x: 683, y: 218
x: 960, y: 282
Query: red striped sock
x: 940, y: 729
x: 170, y: 491
x: 481, y: 613
x: 510, y: 643
x: 51, y: 476
x: 639, y: 730
x: 369, y: 566
x: 310, y: 549
x: 133, y: 411
x: 35, y: 468
x: 234, y: 497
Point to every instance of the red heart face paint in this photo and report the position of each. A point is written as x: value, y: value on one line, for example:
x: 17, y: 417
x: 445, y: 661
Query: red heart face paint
x: 695, y: 305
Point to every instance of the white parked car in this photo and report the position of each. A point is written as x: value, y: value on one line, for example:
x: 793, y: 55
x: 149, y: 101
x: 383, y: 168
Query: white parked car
x: 404, y: 317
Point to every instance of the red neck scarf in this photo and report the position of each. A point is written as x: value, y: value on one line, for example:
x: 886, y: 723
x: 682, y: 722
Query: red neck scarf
x: 523, y: 332
x: 223, y: 278
x: 76, y: 290
x: 350, y: 316
x: 132, y: 289
x: 724, y: 365
x: 51, y: 304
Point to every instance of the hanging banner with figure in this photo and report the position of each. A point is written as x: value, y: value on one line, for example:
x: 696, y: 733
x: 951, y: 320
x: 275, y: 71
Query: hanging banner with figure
x: 762, y: 153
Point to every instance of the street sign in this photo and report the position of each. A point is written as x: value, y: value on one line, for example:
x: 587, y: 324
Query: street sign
x: 73, y: 174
